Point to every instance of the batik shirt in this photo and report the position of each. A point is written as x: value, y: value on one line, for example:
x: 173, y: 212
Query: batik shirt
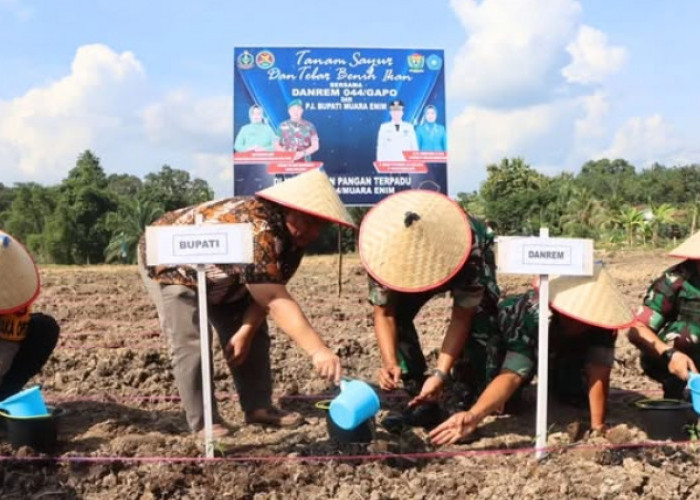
x: 13, y: 327
x: 297, y: 136
x: 518, y: 322
x: 476, y: 280
x: 671, y: 306
x: 275, y: 258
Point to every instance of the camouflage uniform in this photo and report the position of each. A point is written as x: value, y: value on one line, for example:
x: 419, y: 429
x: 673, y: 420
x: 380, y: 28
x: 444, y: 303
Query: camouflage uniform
x: 671, y: 308
x: 518, y: 323
x: 297, y: 136
x: 474, y: 285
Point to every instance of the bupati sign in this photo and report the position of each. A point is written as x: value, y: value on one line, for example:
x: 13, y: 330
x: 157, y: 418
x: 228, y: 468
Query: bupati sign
x: 205, y: 244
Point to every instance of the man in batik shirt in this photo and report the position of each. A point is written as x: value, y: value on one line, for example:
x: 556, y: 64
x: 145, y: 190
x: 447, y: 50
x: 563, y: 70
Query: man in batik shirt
x: 297, y: 134
x: 416, y: 245
x: 285, y: 219
x: 586, y: 313
x: 668, y: 328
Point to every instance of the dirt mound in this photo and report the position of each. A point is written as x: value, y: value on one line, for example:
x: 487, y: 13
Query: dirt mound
x: 111, y: 375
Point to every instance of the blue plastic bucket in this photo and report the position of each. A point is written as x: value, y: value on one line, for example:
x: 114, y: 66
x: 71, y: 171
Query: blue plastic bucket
x: 356, y: 403
x: 694, y: 386
x: 26, y: 403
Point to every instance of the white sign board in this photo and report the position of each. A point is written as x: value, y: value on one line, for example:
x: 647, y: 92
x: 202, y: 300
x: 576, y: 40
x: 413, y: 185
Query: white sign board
x: 201, y: 244
x: 563, y: 256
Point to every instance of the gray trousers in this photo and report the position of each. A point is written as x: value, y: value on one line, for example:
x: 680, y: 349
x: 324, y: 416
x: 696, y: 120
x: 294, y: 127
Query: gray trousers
x: 179, y: 319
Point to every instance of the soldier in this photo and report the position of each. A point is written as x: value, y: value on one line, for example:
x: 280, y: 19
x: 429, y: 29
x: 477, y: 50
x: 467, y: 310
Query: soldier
x: 587, y: 311
x: 27, y: 339
x: 395, y: 136
x: 668, y: 328
x: 297, y: 134
x: 416, y: 245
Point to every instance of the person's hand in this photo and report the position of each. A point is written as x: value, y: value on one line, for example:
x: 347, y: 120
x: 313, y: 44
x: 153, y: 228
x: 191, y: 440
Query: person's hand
x: 680, y: 365
x: 458, y: 426
x: 389, y: 377
x: 430, y: 392
x: 237, y: 349
x: 327, y: 365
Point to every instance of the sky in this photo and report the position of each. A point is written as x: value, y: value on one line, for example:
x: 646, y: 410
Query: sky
x: 143, y: 84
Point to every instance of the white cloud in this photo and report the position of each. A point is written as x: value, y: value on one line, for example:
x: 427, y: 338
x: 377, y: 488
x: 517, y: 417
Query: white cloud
x: 554, y: 136
x: 217, y: 169
x: 515, y: 48
x: 105, y: 104
x: 642, y: 141
x: 44, y: 130
x: 183, y: 121
x: 593, y: 59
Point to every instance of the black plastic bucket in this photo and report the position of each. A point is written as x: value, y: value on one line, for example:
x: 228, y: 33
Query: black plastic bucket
x: 666, y: 418
x: 39, y: 433
x: 363, y: 433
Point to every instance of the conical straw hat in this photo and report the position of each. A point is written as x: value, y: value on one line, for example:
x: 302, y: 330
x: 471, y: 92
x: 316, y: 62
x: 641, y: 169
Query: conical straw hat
x: 18, y: 274
x: 311, y: 193
x: 689, y: 249
x: 594, y: 300
x: 414, y: 240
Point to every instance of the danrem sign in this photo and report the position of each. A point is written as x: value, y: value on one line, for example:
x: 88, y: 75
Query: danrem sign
x: 564, y: 256
x: 373, y: 119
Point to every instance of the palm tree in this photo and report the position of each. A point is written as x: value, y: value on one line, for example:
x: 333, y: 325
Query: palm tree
x: 661, y: 215
x: 630, y: 219
x: 583, y: 213
x: 127, y: 224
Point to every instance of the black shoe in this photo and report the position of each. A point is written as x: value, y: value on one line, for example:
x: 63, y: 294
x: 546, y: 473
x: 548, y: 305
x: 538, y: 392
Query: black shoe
x: 426, y: 416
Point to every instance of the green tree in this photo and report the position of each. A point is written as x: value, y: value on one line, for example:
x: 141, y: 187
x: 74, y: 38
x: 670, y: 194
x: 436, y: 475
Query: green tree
x: 173, y: 189
x: 126, y: 226
x: 610, y: 180
x: 514, y: 196
x: 661, y: 216
x: 630, y: 220
x: 124, y: 185
x: 76, y: 230
x: 26, y: 217
x: 584, y: 214
x: 472, y: 203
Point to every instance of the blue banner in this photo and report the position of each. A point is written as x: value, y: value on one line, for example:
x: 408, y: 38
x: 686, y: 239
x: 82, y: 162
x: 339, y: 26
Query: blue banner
x: 373, y: 119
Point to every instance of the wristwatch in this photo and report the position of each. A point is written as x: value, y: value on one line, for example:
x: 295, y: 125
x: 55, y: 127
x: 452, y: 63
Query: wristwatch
x: 444, y: 377
x: 668, y: 354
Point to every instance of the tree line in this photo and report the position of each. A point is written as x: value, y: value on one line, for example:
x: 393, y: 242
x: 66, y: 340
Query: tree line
x: 91, y: 217
x: 608, y: 200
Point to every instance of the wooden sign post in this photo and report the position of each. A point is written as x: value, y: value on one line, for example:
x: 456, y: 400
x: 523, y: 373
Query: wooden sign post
x: 200, y: 245
x: 544, y: 256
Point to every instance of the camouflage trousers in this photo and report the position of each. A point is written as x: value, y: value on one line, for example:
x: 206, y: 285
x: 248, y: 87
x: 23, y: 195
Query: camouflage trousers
x: 478, y: 363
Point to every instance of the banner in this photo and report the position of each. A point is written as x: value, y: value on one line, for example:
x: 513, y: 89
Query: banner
x: 373, y: 119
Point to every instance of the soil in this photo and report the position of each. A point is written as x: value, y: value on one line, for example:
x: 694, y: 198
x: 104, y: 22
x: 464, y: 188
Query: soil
x: 122, y: 434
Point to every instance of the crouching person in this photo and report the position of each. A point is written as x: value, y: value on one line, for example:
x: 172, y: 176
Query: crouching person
x: 586, y: 314
x: 667, y: 330
x: 416, y: 245
x: 286, y: 218
x: 27, y: 339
